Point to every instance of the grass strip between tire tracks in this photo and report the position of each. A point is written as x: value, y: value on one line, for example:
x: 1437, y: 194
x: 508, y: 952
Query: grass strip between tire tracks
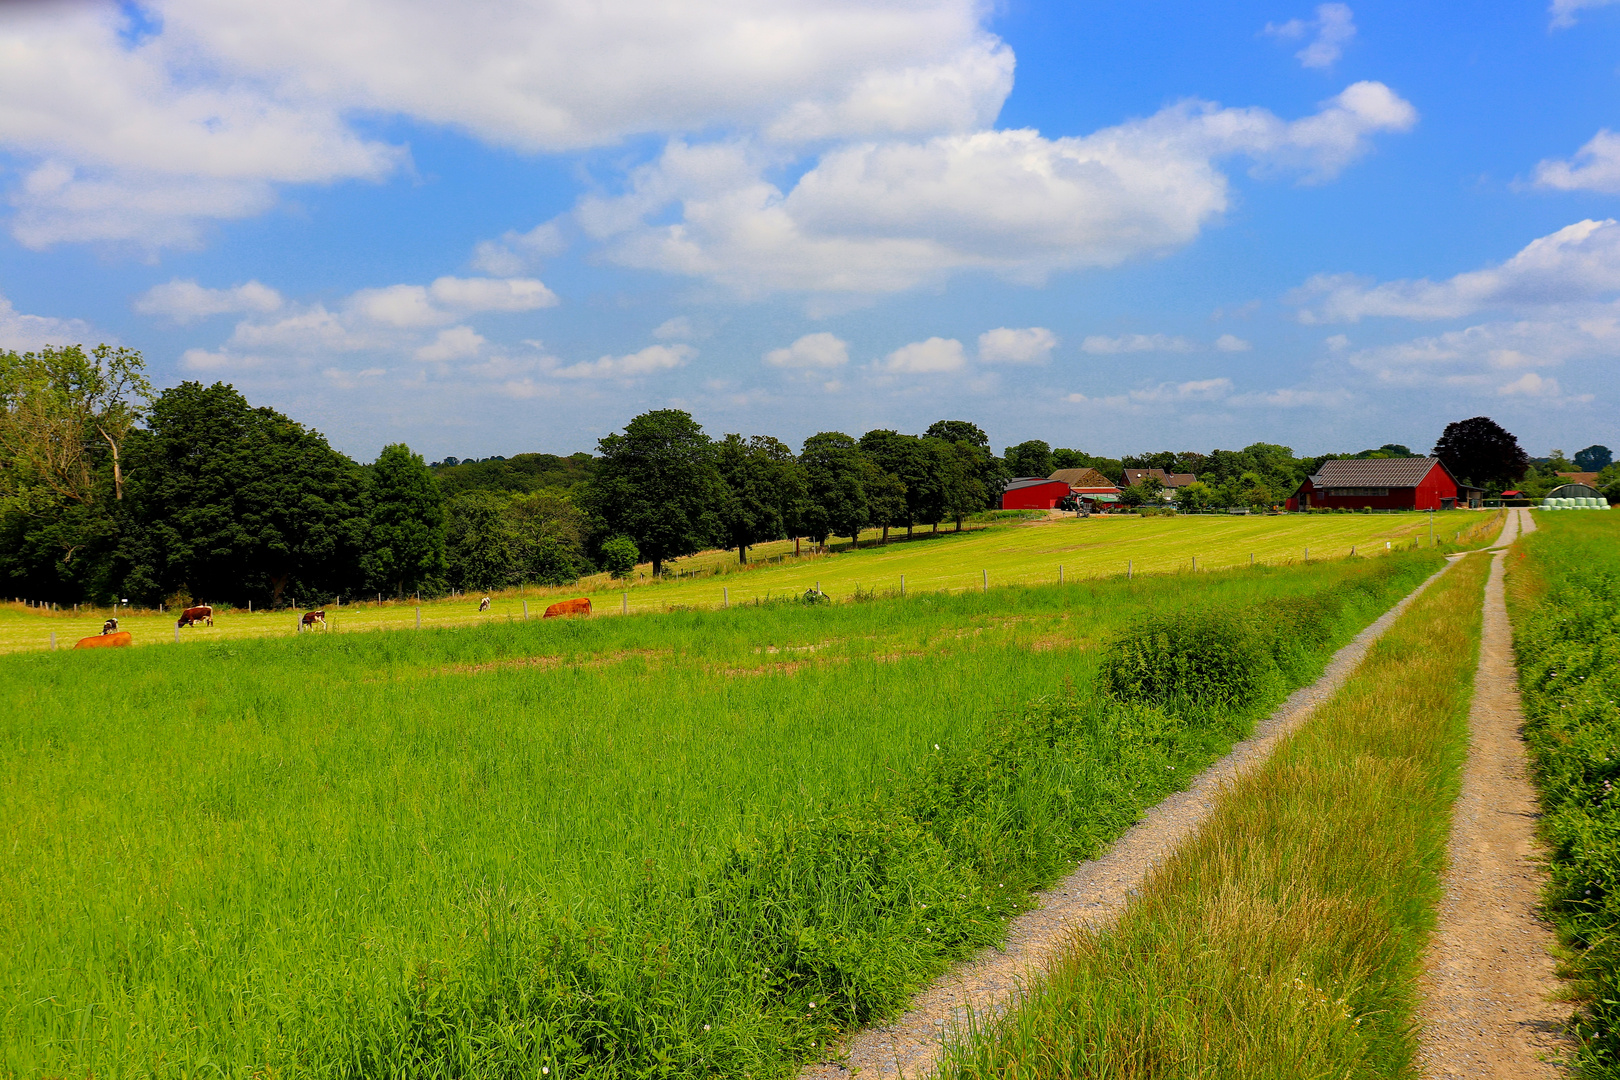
x: 1287, y: 938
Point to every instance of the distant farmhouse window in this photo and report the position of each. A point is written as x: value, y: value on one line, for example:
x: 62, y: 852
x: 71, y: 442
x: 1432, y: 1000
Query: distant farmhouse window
x: 1350, y: 493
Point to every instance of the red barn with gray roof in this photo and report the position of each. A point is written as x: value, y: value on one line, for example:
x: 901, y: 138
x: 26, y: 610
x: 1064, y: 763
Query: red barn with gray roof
x: 1033, y: 493
x: 1381, y: 483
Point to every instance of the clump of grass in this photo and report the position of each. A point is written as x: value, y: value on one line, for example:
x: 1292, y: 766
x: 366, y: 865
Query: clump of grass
x: 1285, y: 940
x: 1566, y: 605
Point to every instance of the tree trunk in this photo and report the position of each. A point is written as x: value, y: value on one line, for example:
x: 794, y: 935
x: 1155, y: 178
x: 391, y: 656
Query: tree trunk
x: 118, y: 475
x: 658, y: 564
x: 959, y: 523
x: 742, y: 554
x: 795, y: 547
x: 936, y: 527
x: 885, y: 533
x: 910, y: 530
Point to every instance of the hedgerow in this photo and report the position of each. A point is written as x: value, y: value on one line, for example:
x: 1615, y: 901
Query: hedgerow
x: 1568, y: 646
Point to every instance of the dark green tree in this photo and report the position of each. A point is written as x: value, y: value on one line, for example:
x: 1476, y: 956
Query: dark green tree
x: 232, y: 503
x: 966, y: 492
x: 764, y: 487
x: 835, y: 471
x: 908, y: 491
x: 619, y: 556
x: 480, y: 545
x: 405, y: 541
x: 1482, y: 452
x: 1031, y: 458
x: 659, y: 485
x: 1594, y: 458
x: 989, y: 471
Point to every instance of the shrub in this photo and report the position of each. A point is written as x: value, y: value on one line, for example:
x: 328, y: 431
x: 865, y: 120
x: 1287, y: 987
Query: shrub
x: 1210, y: 658
x: 619, y: 556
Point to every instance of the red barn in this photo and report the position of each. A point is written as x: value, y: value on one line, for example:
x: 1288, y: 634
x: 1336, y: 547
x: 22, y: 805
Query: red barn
x: 1419, y: 483
x: 1033, y: 493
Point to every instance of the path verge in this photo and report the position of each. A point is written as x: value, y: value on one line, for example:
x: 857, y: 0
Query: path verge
x: 1092, y: 897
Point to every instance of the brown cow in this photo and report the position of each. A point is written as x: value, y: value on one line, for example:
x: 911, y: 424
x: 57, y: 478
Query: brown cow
x: 205, y: 613
x: 312, y: 619
x: 104, y: 641
x: 568, y: 607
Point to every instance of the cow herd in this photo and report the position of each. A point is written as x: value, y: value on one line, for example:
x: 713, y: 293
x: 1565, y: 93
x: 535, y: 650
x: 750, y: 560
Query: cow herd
x: 111, y: 636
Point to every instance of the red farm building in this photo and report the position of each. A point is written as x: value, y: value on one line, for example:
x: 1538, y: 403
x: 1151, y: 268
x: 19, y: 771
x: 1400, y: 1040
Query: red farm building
x: 1033, y: 493
x: 1419, y: 483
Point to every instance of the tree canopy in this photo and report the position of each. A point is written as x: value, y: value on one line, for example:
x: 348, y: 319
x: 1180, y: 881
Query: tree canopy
x: 659, y: 485
x: 405, y: 544
x: 1481, y: 451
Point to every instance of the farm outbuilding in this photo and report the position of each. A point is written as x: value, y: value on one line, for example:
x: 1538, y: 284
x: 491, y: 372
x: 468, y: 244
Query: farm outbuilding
x: 1033, y: 493
x: 1088, y: 484
x: 1418, y: 483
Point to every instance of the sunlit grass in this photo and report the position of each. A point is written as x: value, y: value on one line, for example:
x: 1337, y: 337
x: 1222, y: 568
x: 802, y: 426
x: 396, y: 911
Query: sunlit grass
x: 1027, y: 554
x: 586, y: 846
x: 1286, y: 939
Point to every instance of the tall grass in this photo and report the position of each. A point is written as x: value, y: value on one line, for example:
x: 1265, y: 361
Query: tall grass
x: 1285, y: 940
x: 694, y: 845
x: 1564, y: 594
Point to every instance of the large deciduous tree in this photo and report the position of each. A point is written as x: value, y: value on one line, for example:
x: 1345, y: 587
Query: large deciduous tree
x: 764, y: 487
x: 659, y: 485
x: 1482, y: 452
x: 233, y: 503
x: 1594, y: 458
x: 1031, y: 458
x: 835, y: 474
x: 405, y: 535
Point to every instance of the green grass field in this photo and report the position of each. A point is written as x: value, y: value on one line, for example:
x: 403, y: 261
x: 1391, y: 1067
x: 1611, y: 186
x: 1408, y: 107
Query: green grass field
x: 1098, y: 547
x: 700, y: 844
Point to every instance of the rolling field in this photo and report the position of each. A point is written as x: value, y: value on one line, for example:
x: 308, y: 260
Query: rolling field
x: 1031, y: 553
x: 694, y: 845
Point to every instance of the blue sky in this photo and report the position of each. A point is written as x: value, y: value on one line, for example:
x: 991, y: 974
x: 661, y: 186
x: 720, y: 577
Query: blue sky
x: 489, y: 228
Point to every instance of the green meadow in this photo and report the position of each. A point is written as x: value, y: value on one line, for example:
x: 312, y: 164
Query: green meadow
x: 702, y: 843
x: 1016, y: 553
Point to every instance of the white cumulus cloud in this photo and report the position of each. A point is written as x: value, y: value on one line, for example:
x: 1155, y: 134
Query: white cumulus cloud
x: 186, y: 301
x: 1579, y: 262
x: 448, y: 299
x: 1496, y: 356
x: 456, y: 343
x: 1333, y: 28
x: 1595, y: 167
x: 1031, y: 345
x: 1100, y: 345
x: 932, y: 357
x: 649, y: 361
x: 1232, y: 343
x: 25, y: 333
x: 820, y: 352
x: 886, y: 216
x: 1563, y: 11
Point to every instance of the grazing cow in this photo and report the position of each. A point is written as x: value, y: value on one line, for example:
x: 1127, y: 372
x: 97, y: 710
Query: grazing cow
x: 313, y: 619
x: 203, y: 614
x: 105, y: 641
x: 569, y: 607
x: 110, y: 626
x: 483, y: 605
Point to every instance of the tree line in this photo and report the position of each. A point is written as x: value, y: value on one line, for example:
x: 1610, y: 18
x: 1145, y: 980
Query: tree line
x: 112, y: 490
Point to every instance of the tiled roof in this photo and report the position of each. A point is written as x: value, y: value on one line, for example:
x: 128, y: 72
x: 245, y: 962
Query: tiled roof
x: 1374, y: 472
x: 1084, y: 478
x: 1029, y: 481
x: 1169, y: 480
x: 1587, y: 478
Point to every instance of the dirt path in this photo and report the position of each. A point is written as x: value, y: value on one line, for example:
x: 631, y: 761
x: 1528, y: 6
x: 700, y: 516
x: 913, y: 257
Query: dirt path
x: 1487, y: 1012
x: 1096, y: 893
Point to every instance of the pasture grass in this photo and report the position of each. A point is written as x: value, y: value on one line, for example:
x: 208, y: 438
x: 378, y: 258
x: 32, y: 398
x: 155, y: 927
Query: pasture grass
x: 1011, y: 554
x: 1564, y: 597
x: 702, y: 844
x: 1285, y: 940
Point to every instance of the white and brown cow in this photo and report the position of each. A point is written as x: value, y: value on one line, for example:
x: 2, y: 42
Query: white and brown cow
x: 313, y: 620
x: 203, y: 613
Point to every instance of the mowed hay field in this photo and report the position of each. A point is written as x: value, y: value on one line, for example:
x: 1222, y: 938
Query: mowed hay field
x: 699, y: 844
x: 1022, y: 553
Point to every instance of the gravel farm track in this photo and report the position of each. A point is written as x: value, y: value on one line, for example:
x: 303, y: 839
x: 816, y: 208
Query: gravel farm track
x: 1490, y: 977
